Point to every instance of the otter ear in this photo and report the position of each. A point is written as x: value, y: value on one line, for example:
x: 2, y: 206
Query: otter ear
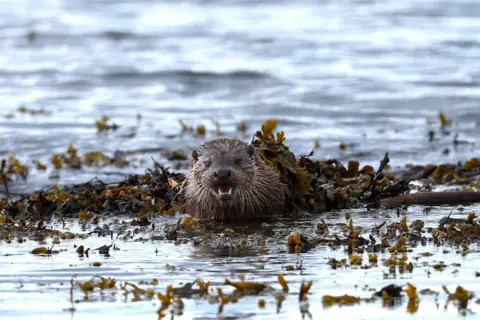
x: 195, y: 155
x: 250, y: 150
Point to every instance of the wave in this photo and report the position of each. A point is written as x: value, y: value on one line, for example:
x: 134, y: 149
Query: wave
x: 188, y: 74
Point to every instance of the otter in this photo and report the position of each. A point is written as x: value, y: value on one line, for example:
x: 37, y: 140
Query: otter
x: 228, y: 180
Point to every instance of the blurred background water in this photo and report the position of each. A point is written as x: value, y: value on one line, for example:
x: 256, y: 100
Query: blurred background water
x: 364, y: 73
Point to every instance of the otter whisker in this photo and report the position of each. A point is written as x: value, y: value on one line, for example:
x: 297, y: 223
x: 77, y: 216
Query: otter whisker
x: 250, y: 200
x: 253, y: 201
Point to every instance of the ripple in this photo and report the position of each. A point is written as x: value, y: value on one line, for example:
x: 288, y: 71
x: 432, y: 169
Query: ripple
x: 367, y: 73
x: 234, y: 75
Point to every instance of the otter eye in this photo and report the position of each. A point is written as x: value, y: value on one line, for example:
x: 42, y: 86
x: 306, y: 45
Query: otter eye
x: 238, y: 161
x: 207, y: 163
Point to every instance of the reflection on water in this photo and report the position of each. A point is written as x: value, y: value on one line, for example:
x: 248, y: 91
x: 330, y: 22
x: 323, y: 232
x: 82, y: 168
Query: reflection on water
x: 44, y: 281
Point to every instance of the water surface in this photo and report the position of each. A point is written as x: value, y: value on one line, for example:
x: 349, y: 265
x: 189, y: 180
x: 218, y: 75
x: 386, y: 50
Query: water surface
x: 43, y: 282
x: 364, y: 73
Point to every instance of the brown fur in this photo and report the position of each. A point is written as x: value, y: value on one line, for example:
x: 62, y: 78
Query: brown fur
x: 256, y: 189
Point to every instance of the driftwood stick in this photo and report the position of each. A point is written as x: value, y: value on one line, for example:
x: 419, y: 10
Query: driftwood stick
x: 374, y: 179
x: 432, y: 199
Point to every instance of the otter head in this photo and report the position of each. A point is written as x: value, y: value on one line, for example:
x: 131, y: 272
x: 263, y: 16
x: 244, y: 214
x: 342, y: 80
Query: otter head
x: 224, y: 168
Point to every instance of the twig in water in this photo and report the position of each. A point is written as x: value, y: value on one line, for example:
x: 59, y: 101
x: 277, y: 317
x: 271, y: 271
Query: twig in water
x: 4, y: 178
x: 373, y: 181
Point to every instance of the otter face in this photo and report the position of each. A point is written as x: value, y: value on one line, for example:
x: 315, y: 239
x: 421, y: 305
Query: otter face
x: 224, y: 172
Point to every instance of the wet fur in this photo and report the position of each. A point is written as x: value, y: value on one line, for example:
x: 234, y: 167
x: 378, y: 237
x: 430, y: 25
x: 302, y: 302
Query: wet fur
x: 257, y: 190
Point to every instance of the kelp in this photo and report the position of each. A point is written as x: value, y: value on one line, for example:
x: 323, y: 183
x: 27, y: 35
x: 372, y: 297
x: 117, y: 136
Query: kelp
x: 321, y: 185
x: 313, y: 186
x: 171, y: 298
x: 148, y: 194
x: 73, y: 160
x: 103, y: 124
x: 229, y: 291
x: 12, y: 168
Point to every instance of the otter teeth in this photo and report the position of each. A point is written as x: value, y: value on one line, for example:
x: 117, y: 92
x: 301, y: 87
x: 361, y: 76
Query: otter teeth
x: 225, y: 193
x: 225, y: 190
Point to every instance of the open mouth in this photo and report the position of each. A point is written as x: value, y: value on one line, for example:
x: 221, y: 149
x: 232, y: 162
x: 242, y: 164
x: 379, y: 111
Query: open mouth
x: 225, y: 193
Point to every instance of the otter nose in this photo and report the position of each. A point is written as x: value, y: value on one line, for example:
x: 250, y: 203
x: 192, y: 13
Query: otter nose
x: 223, y: 174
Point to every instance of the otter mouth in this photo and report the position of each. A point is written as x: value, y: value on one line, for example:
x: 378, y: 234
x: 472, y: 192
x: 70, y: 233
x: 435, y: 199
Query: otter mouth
x: 225, y: 192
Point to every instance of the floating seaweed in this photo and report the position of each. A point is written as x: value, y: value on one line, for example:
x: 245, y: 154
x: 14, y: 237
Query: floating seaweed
x: 314, y: 186
x: 103, y: 124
